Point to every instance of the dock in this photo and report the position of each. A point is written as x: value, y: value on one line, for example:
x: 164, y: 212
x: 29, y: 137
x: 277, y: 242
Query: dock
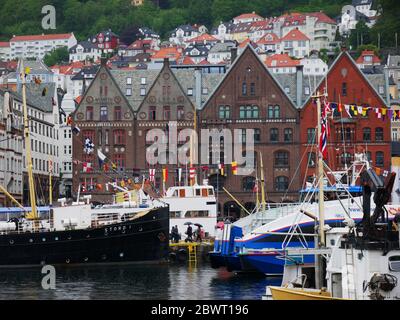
x: 192, y: 252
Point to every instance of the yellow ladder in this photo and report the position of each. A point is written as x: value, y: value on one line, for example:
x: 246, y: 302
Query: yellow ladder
x: 192, y: 249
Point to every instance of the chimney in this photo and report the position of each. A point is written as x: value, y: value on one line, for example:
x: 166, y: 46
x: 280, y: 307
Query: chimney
x: 387, y: 86
x: 299, y: 86
x: 166, y: 62
x: 233, y: 54
x: 198, y: 88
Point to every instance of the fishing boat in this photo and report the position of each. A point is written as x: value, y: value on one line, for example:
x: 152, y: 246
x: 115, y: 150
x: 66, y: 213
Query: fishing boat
x: 359, y: 261
x: 128, y: 231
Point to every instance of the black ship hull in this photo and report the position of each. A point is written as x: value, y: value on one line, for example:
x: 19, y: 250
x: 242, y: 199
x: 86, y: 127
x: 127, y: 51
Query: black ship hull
x: 144, y: 239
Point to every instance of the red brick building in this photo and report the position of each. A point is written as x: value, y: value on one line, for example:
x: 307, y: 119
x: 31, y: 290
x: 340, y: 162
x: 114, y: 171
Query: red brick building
x: 346, y: 84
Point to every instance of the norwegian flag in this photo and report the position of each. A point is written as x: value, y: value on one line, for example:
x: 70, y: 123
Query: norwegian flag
x: 323, y: 143
x: 152, y: 173
x: 87, y: 167
x: 192, y: 173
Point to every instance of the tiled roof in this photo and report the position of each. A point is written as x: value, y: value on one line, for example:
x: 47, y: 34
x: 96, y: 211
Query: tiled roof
x: 42, y: 37
x: 171, y: 52
x: 365, y: 53
x: 270, y: 38
x: 204, y: 37
x: 295, y: 35
x: 248, y: 16
x: 281, y: 61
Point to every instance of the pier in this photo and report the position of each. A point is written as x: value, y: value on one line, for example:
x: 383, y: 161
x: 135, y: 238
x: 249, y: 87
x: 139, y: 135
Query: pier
x: 191, y: 252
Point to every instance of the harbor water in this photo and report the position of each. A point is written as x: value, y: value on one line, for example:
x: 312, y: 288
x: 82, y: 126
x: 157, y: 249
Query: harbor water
x: 134, y: 282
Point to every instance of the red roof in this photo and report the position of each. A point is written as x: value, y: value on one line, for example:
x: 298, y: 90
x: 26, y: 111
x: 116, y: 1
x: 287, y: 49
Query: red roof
x: 170, y: 52
x: 42, y: 37
x: 78, y: 99
x: 295, y: 35
x: 270, y: 38
x: 69, y: 69
x: 365, y: 53
x: 247, y: 16
x: 322, y: 17
x: 281, y: 61
x: 246, y: 42
x: 203, y: 37
x: 139, y: 44
x: 4, y: 44
x: 187, y: 61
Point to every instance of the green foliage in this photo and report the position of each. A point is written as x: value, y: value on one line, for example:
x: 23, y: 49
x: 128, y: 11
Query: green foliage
x: 369, y: 47
x: 88, y: 17
x: 57, y: 56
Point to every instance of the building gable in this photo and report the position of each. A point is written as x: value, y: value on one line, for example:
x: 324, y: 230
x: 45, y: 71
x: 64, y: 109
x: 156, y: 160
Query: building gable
x: 103, y: 92
x: 165, y: 94
x: 246, y: 72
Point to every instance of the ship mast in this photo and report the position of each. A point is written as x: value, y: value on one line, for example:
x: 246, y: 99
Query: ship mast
x: 320, y: 175
x: 263, y: 202
x: 28, y: 152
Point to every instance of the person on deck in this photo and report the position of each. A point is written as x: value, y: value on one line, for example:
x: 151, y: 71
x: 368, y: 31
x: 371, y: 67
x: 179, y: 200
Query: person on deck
x: 189, y: 233
x: 198, y: 234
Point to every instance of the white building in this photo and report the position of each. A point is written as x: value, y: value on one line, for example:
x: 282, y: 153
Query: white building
x: 247, y: 17
x: 84, y: 51
x: 37, y: 46
x: 221, y: 52
x: 295, y: 43
x: 359, y: 10
x: 317, y: 26
x: 5, y: 51
x: 314, y: 66
x: 183, y: 34
x: 11, y: 137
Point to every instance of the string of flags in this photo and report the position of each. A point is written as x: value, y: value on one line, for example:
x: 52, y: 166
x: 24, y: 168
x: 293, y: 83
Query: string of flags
x: 353, y: 110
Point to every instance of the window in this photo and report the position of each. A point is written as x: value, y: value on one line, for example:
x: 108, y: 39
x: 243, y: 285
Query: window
x: 100, y: 137
x: 281, y: 159
x: 204, y: 91
x: 248, y: 183
x: 345, y: 158
x: 106, y: 137
x: 190, y: 91
x: 167, y: 113
x: 274, y: 112
x: 129, y: 81
x: 89, y: 115
x: 143, y: 92
x: 287, y: 90
x: 244, y: 89
x: 252, y: 89
x: 274, y: 135
x: 311, y: 136
x: 311, y: 159
x: 152, y: 113
x: 281, y: 184
x: 344, y: 89
x: 367, y: 134
x: 119, y: 160
x: 379, y: 134
x: 288, y: 135
x: 379, y: 160
x: 103, y: 113
x: 117, y: 113
x: 249, y: 112
x: 119, y: 137
x: 128, y: 91
x: 180, y: 113
x: 142, y: 81
x: 257, y: 135
x: 224, y: 112
x: 307, y: 91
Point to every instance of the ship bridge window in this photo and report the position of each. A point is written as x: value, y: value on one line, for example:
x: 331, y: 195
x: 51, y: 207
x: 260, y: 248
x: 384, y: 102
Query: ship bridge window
x: 210, y: 192
x: 175, y: 194
x: 196, y: 214
x: 182, y: 193
x: 204, y: 193
x: 394, y: 263
x: 197, y: 192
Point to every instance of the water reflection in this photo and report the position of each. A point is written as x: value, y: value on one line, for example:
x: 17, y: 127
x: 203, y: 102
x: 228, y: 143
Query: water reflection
x: 152, y: 282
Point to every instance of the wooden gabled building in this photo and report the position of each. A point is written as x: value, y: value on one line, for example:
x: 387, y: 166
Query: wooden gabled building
x: 249, y: 97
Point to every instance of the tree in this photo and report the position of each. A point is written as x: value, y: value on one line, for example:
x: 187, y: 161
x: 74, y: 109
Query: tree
x: 360, y: 35
x: 57, y: 56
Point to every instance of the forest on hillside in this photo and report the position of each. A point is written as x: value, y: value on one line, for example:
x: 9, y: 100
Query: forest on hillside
x: 87, y: 17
